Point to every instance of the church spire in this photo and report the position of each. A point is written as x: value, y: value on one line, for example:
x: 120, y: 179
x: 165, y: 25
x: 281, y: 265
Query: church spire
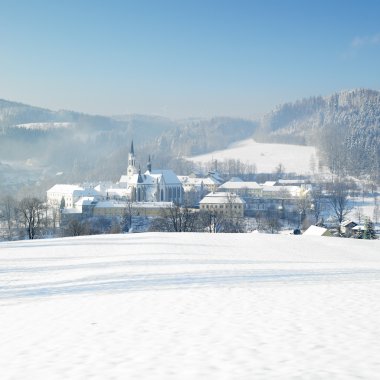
x: 132, y: 161
x: 149, y: 165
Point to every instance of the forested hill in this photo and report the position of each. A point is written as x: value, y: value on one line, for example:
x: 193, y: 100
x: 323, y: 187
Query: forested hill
x: 92, y: 146
x: 344, y: 126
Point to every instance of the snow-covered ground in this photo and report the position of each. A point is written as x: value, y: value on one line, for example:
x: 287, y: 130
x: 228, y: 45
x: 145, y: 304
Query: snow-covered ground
x: 266, y: 157
x: 190, y: 306
x: 364, y: 207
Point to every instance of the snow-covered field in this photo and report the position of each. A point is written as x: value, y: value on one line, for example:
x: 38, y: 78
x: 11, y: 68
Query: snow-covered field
x: 190, y: 306
x: 266, y: 157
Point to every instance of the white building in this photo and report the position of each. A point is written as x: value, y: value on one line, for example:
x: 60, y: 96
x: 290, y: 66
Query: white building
x: 223, y: 203
x: 242, y: 188
x: 153, y: 186
x: 198, y: 184
x: 70, y: 194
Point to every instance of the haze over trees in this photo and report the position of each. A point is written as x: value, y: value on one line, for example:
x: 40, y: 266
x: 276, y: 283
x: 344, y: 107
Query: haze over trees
x: 38, y: 143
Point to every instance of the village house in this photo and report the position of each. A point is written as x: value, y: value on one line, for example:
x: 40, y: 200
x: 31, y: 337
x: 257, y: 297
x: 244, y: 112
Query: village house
x: 66, y: 196
x: 223, y: 203
x: 347, y: 227
x: 267, y: 197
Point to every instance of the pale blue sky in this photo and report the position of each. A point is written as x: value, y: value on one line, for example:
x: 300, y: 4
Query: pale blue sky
x: 185, y: 58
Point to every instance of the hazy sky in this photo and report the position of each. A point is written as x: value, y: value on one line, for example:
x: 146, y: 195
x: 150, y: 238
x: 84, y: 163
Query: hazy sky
x: 185, y: 57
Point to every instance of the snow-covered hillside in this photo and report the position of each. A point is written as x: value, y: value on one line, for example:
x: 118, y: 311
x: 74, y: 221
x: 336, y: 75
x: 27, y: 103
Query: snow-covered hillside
x: 266, y: 157
x: 45, y: 126
x: 190, y: 306
x: 344, y: 126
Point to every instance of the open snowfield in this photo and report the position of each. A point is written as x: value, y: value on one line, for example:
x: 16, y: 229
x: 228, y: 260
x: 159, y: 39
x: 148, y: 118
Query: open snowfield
x: 266, y: 157
x: 190, y: 306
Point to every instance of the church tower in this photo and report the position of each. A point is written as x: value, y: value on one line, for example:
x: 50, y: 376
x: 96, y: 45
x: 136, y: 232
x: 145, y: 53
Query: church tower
x: 131, y: 162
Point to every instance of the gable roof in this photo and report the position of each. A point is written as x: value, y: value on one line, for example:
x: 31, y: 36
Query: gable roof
x: 169, y: 176
x: 233, y: 185
x: 221, y: 197
x: 196, y: 181
x: 317, y: 231
x: 64, y: 189
x: 347, y: 223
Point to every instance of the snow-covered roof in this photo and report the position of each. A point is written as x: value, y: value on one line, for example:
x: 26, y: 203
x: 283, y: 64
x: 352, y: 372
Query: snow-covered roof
x: 169, y: 176
x: 150, y: 179
x: 292, y: 190
x: 64, y: 189
x: 221, y: 197
x: 316, y: 231
x: 195, y: 181
x: 119, y: 191
x: 84, y: 201
x: 103, y: 186
x: 346, y: 223
x: 215, y: 175
x: 240, y: 185
x: 269, y: 183
x: 196, y: 173
x: 73, y: 190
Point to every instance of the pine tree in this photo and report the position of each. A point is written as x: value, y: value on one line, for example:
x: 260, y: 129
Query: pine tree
x: 369, y: 231
x: 62, y: 205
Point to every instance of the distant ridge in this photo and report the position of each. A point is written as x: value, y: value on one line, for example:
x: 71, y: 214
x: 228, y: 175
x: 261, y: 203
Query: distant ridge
x: 297, y: 122
x: 344, y: 126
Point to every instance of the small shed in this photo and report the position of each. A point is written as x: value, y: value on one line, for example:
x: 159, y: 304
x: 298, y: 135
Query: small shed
x: 317, y: 231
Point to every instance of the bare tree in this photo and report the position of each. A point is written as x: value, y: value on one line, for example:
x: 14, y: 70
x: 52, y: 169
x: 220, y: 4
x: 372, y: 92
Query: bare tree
x: 76, y: 227
x: 279, y: 170
x: 338, y: 199
x: 32, y: 212
x: 176, y: 218
x: 179, y: 218
x: 211, y: 221
x: 271, y: 223
x: 333, y: 149
x: 376, y: 213
x: 303, y: 205
x: 8, y: 214
x: 317, y: 198
x: 128, y: 214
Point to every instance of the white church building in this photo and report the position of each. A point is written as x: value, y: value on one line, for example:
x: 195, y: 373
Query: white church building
x: 152, y: 186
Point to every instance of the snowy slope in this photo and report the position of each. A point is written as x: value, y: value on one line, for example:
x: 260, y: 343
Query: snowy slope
x: 190, y: 306
x: 266, y: 157
x: 46, y: 126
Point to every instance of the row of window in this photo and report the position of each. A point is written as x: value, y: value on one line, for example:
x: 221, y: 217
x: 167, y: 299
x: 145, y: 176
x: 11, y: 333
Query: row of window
x: 213, y: 206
